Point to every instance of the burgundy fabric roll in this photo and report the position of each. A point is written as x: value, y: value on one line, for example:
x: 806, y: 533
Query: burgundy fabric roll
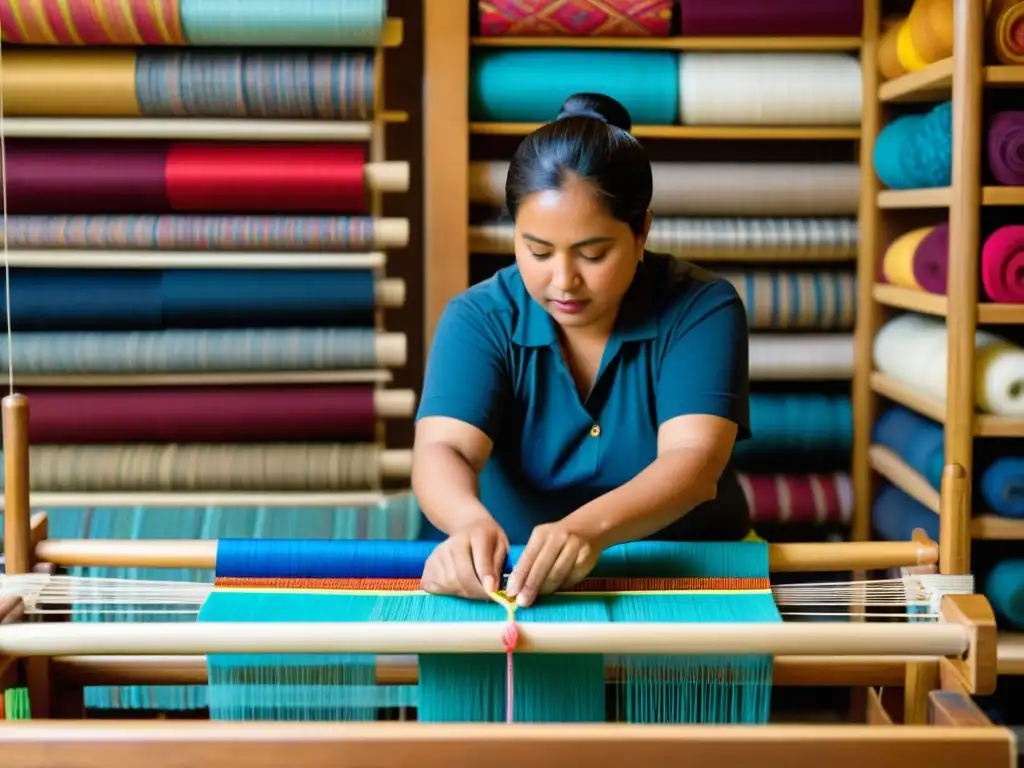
x: 783, y: 18
x: 86, y: 176
x: 1005, y: 145
x: 931, y: 260
x: 201, y: 414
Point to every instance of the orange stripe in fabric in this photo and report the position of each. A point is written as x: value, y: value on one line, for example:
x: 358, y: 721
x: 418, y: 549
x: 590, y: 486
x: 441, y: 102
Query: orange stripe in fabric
x: 587, y: 585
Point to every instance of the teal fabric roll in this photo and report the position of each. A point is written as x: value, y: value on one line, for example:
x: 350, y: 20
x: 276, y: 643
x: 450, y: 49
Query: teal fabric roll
x: 526, y: 86
x: 796, y: 427
x: 916, y: 151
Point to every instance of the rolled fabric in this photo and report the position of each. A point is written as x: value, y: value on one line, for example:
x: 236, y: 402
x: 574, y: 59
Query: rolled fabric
x: 523, y: 86
x: 909, y: 57
x: 1004, y: 589
x: 796, y: 427
x: 915, y: 439
x: 915, y: 151
x: 800, y: 356
x: 912, y: 349
x: 898, y: 260
x: 931, y: 260
x: 1006, y: 30
x: 1002, y: 265
x: 800, y: 499
x: 787, y: 299
x: 895, y: 516
x: 769, y: 89
x: 930, y: 26
x: 721, y: 189
x: 583, y: 18
x: 768, y: 18
x: 1005, y: 144
x: 1002, y: 486
x: 888, y: 59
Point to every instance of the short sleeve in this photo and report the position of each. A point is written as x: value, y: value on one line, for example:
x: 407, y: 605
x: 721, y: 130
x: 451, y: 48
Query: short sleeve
x: 466, y: 377
x: 704, y: 368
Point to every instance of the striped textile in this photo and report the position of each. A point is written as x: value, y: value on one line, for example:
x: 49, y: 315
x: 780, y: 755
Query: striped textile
x: 798, y: 498
x: 718, y: 238
x: 296, y: 85
x: 798, y: 300
x: 189, y: 351
x: 206, y: 467
x: 185, y: 232
x: 96, y: 22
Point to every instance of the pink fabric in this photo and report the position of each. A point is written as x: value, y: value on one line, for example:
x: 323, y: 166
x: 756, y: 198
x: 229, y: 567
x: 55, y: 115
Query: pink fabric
x: 1002, y: 265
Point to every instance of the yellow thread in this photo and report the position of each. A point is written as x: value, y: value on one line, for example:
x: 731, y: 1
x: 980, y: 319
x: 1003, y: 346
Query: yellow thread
x: 501, y: 598
x: 69, y: 22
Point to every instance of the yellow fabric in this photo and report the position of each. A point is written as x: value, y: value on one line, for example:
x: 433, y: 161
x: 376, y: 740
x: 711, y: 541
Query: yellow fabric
x: 889, y: 65
x: 69, y: 83
x: 930, y: 26
x: 898, y: 261
x: 908, y: 55
x: 1002, y: 18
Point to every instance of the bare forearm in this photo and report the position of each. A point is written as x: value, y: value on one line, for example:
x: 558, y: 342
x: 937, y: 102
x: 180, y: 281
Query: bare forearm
x: 666, y: 490
x: 446, y: 487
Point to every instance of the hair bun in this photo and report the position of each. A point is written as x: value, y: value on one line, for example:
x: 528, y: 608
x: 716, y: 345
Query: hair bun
x: 596, y: 105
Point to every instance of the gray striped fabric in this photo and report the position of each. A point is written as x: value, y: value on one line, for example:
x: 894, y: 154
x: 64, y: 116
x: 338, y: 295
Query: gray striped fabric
x: 192, y: 351
x: 711, y: 238
x: 187, y: 232
x: 295, y: 85
x: 798, y: 300
x: 205, y: 467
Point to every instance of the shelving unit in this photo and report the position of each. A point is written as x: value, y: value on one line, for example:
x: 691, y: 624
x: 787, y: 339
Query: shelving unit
x: 453, y: 141
x: 968, y: 80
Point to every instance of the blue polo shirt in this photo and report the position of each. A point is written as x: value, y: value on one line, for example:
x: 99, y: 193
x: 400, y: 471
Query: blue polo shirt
x: 679, y: 346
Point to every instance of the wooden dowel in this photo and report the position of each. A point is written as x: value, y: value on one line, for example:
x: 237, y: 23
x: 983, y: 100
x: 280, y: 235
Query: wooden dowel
x: 387, y: 176
x: 396, y: 463
x: 173, y: 638
x: 390, y: 292
x: 803, y: 671
x: 17, y: 526
x: 390, y: 349
x: 394, y: 403
x: 189, y: 553
x: 955, y: 521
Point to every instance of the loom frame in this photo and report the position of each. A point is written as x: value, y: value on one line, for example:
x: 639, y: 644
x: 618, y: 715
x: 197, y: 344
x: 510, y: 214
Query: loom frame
x: 936, y: 690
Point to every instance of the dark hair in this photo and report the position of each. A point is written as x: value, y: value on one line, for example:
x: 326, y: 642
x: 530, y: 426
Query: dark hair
x: 590, y: 138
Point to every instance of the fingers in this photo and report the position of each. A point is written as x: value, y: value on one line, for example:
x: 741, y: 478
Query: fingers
x: 485, y: 544
x: 536, y: 569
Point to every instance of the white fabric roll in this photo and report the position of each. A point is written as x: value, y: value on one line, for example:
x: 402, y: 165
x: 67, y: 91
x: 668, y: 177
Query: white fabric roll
x: 722, y: 189
x: 808, y: 357
x: 913, y: 349
x: 770, y: 88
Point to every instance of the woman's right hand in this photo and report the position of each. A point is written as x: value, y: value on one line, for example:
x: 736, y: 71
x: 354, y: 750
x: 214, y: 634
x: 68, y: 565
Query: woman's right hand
x: 469, y: 562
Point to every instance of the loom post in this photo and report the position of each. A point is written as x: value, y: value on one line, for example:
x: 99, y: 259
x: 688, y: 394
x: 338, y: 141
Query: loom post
x: 954, y: 521
x: 17, y: 524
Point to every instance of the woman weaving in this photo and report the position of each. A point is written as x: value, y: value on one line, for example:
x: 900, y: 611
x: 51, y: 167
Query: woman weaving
x: 588, y: 395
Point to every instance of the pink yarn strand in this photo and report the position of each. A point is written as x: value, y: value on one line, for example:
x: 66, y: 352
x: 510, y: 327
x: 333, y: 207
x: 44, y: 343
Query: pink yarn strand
x: 510, y: 638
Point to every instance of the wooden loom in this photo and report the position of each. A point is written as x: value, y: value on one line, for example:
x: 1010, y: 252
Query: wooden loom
x: 939, y: 666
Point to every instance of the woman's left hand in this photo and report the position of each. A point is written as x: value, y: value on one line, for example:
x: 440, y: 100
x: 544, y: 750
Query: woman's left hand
x: 554, y: 557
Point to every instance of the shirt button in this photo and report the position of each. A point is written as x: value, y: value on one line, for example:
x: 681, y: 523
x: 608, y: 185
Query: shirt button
x: 595, y: 431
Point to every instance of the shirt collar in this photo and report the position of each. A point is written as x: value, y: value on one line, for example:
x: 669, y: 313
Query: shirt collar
x: 636, y: 320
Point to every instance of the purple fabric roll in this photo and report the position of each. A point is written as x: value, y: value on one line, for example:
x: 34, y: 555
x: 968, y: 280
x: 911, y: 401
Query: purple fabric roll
x: 931, y: 260
x: 1006, y: 148
x: 782, y: 18
x: 86, y: 177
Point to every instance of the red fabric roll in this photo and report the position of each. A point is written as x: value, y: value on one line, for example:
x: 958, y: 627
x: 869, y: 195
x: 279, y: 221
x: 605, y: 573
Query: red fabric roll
x: 798, y: 499
x: 201, y: 414
x: 266, y: 178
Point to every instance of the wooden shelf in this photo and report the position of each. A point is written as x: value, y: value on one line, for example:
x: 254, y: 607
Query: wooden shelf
x: 985, y: 424
x: 739, y: 44
x: 934, y: 304
x: 941, y: 197
x: 1010, y: 653
x: 935, y: 82
x: 996, y: 528
x: 713, y: 132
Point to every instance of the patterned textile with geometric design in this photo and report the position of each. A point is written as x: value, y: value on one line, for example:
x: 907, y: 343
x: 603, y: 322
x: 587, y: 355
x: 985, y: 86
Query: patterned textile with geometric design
x: 604, y: 18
